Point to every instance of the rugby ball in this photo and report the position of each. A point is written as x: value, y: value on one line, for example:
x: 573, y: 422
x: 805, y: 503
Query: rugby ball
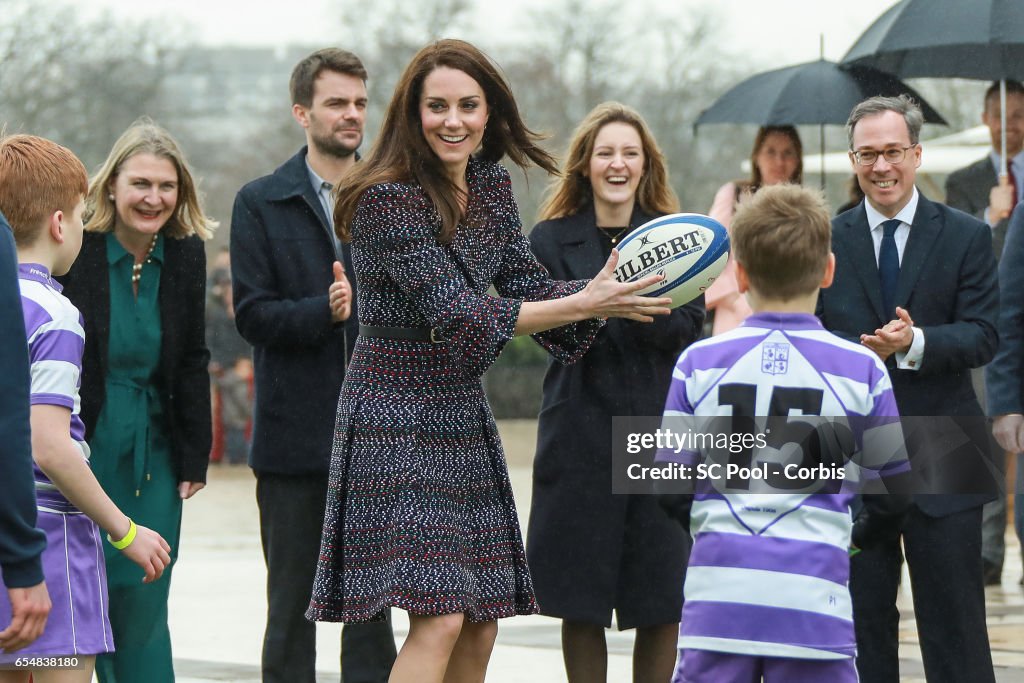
x: 689, y: 249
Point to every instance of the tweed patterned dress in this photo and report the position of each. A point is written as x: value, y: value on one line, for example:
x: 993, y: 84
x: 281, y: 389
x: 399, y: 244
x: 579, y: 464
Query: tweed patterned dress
x: 420, y: 513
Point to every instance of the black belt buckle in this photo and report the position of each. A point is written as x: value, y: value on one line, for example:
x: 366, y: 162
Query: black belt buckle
x: 422, y: 334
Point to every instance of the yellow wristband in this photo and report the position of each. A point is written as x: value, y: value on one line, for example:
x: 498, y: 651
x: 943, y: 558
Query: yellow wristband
x: 128, y: 537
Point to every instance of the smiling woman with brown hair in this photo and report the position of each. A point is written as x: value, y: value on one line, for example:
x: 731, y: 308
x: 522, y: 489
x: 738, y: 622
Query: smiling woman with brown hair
x: 777, y: 157
x: 420, y: 513
x: 592, y: 553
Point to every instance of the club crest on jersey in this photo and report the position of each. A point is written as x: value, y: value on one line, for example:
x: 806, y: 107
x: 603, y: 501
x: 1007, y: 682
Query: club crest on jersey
x: 775, y: 358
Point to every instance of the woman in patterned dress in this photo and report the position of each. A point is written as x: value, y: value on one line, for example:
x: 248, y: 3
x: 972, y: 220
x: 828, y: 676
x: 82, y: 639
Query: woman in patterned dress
x: 420, y: 513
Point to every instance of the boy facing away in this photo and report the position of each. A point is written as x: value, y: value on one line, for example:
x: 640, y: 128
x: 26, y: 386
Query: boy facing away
x: 766, y: 593
x: 42, y: 190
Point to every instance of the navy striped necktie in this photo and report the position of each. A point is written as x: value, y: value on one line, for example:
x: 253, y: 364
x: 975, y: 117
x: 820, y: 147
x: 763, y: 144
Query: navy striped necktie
x: 889, y: 266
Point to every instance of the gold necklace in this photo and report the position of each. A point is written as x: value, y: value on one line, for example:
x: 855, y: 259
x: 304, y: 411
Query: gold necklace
x: 614, y: 237
x: 148, y: 258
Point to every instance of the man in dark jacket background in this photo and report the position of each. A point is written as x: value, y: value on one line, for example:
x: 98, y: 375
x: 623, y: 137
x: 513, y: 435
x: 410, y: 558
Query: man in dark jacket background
x: 979, y: 190
x: 295, y: 305
x: 21, y: 543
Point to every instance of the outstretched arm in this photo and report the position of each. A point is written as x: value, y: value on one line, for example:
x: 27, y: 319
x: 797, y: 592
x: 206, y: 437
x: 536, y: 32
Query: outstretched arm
x: 61, y: 460
x: 603, y: 297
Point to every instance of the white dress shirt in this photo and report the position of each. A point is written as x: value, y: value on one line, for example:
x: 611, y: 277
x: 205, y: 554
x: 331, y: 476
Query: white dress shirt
x: 911, y: 359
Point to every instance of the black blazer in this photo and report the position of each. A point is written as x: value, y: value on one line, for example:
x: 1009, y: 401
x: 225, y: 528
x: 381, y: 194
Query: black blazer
x: 21, y: 543
x: 1004, y: 377
x: 968, y: 188
x: 281, y: 261
x: 948, y: 284
x: 182, y: 378
x: 575, y: 521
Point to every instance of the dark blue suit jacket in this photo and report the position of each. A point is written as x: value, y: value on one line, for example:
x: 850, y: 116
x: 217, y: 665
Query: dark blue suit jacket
x: 948, y: 284
x: 21, y: 544
x: 281, y: 261
x: 1004, y: 377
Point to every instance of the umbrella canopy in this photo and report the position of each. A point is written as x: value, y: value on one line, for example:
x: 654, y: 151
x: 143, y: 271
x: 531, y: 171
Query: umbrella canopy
x: 981, y: 39
x: 812, y: 93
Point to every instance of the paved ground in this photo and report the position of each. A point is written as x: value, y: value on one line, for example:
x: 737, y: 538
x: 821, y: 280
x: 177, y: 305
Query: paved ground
x: 218, y: 602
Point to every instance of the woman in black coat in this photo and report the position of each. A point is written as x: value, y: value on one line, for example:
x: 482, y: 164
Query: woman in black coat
x: 591, y: 552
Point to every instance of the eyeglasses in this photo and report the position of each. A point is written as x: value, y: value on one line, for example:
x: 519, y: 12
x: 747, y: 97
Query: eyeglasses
x: 892, y: 155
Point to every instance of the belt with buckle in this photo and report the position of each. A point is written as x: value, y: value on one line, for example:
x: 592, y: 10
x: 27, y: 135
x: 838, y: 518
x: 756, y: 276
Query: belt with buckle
x: 426, y: 334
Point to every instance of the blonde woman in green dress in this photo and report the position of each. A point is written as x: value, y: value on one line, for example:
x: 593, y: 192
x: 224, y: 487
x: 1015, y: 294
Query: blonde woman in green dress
x: 140, y: 285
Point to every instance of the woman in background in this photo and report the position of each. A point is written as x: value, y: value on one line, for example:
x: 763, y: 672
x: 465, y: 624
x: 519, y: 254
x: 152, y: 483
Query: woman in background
x: 777, y: 157
x: 591, y: 552
x: 140, y: 284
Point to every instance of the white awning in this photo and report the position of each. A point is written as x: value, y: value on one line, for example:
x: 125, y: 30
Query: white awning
x: 939, y: 156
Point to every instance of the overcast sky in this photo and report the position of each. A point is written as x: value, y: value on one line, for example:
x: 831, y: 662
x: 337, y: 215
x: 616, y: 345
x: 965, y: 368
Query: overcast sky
x: 771, y: 33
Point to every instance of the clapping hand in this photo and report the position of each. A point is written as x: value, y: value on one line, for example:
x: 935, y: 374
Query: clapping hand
x: 897, y: 335
x: 340, y: 295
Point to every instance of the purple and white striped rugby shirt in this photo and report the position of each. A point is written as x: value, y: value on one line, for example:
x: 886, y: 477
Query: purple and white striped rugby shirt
x: 769, y: 571
x: 56, y: 340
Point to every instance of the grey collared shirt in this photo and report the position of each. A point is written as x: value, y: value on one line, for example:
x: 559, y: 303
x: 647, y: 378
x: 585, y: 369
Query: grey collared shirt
x: 323, y: 189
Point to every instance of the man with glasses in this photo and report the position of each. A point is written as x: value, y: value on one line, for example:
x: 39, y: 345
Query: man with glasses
x: 916, y: 283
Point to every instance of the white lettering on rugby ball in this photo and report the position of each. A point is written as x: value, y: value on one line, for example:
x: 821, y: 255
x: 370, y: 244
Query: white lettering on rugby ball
x: 689, y: 249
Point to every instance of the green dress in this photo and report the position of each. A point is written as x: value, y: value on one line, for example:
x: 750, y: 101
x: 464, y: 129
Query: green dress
x: 131, y: 457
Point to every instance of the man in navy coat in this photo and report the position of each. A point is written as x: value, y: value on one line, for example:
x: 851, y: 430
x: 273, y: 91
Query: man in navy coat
x: 21, y: 543
x: 294, y: 304
x: 979, y: 190
x: 1004, y: 376
x: 916, y: 283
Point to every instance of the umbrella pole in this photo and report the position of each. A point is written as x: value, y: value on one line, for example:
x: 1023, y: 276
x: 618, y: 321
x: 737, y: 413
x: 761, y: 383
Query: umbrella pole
x: 821, y: 152
x: 821, y: 126
x: 1003, y: 173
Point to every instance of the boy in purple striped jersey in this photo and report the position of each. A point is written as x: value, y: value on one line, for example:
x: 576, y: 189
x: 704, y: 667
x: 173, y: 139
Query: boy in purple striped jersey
x: 766, y: 593
x: 42, y: 189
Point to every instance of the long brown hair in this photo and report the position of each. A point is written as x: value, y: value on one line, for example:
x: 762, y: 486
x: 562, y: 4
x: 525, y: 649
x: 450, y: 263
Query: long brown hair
x: 145, y: 137
x: 401, y: 153
x: 571, y: 191
x: 755, y: 173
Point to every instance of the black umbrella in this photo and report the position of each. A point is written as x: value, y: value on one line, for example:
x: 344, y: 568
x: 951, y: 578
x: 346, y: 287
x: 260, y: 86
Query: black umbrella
x: 980, y: 39
x: 813, y: 93
x: 818, y: 92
